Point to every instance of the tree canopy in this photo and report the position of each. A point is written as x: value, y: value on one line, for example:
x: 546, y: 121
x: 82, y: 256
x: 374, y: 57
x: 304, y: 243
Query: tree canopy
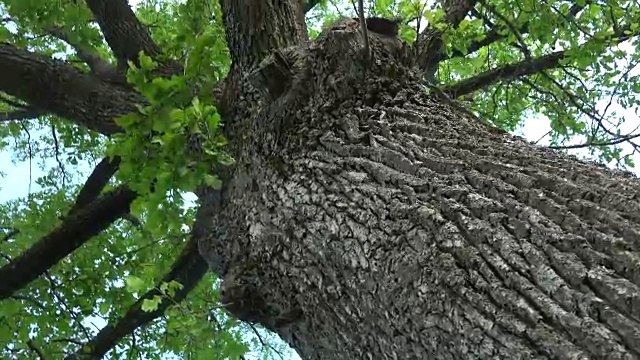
x: 106, y: 100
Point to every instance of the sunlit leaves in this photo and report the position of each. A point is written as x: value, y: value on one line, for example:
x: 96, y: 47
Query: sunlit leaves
x: 134, y: 284
x: 170, y: 145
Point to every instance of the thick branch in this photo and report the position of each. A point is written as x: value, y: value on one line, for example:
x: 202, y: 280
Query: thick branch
x: 122, y: 30
x: 523, y: 68
x: 70, y: 235
x: 54, y: 86
x: 125, y: 34
x: 430, y: 43
x: 256, y: 28
x: 96, y: 182
x: 188, y: 270
x: 504, y: 73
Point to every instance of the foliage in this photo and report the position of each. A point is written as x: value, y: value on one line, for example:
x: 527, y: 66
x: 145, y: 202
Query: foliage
x: 100, y: 281
x: 600, y: 72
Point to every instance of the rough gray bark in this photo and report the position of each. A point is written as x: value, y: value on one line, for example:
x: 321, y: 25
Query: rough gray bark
x: 366, y: 220
x: 64, y: 90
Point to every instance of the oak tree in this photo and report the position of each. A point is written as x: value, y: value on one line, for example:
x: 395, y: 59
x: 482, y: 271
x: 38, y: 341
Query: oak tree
x: 358, y: 190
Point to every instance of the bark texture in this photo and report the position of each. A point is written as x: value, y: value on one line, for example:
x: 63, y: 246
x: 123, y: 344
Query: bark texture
x: 54, y: 86
x: 367, y: 220
x: 363, y: 218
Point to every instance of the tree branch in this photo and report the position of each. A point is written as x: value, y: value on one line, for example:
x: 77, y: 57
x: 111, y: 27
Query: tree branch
x: 309, y: 5
x: 430, y: 42
x: 524, y: 68
x: 33, y: 347
x: 22, y: 114
x: 99, y: 66
x: 510, y: 25
x: 256, y: 28
x: 506, y: 72
x: 497, y: 33
x: 55, y: 86
x: 71, y: 234
x: 98, y: 179
x: 188, y: 270
x: 126, y: 35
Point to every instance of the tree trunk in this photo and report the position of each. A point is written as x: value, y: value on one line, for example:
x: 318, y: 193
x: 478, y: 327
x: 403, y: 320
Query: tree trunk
x: 366, y: 220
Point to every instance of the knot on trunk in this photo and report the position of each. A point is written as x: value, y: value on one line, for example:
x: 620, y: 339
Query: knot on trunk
x: 382, y: 26
x: 278, y: 72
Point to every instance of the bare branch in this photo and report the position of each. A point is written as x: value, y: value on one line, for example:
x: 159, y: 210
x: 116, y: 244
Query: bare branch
x: 188, y: 270
x: 56, y: 143
x: 71, y: 234
x: 57, y: 87
x: 595, y: 144
x: 363, y: 28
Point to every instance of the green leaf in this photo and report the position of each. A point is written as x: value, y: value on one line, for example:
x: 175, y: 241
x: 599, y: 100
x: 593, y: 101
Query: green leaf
x: 152, y: 304
x: 14, y: 128
x: 104, y: 308
x: 134, y: 284
x: 213, y: 181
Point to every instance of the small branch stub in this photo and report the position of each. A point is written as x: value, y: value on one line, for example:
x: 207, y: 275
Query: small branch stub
x: 382, y: 26
x: 277, y: 72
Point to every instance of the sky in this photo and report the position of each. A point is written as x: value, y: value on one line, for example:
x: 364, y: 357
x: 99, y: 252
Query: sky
x: 15, y: 183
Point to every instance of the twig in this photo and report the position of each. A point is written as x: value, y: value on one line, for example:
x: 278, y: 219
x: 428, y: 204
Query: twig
x: 57, y: 154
